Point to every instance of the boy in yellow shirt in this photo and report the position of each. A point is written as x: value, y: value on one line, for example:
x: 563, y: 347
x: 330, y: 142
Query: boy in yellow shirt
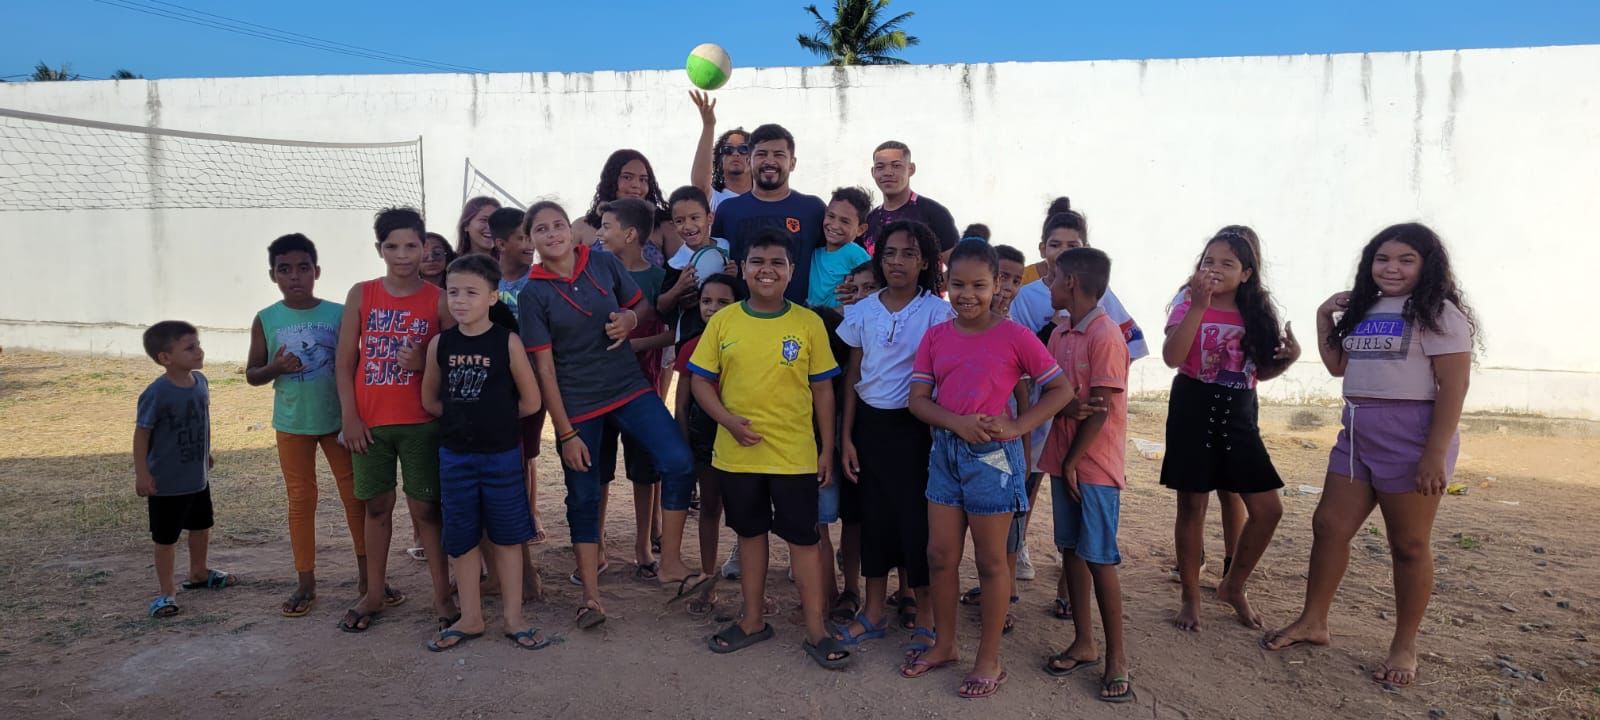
x: 763, y: 370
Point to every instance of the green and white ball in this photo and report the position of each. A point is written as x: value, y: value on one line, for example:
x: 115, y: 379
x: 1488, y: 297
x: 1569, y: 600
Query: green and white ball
x: 709, y: 66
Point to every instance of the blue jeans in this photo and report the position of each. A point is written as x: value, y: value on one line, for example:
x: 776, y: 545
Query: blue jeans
x: 981, y: 478
x: 643, y: 421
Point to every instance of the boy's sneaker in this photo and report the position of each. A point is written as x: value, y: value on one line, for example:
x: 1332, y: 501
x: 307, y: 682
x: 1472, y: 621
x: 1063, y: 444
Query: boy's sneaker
x: 730, y: 568
x: 1024, y: 566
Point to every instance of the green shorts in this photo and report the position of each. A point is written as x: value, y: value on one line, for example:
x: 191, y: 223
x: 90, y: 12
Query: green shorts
x: 415, y: 447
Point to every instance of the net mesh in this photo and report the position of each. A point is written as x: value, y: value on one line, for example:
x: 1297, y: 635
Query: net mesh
x: 475, y: 183
x: 57, y: 163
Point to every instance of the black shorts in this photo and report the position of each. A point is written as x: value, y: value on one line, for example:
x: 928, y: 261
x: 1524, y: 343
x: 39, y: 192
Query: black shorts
x: 756, y: 504
x: 636, y: 463
x: 702, y: 433
x: 1213, y: 441
x: 893, y: 447
x: 170, y: 515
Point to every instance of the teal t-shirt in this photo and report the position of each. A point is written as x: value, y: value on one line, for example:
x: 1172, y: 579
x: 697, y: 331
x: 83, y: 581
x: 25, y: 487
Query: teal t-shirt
x: 828, y: 269
x: 307, y: 402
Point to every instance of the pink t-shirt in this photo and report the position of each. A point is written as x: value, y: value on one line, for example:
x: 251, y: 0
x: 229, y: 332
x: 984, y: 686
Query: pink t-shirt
x: 1390, y: 358
x: 1217, y: 355
x: 975, y: 373
x: 1093, y: 353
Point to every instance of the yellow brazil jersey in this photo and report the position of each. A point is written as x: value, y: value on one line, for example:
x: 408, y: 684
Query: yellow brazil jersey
x: 765, y: 364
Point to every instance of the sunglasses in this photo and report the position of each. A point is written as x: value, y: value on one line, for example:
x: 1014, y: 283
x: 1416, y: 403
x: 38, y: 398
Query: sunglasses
x: 741, y: 149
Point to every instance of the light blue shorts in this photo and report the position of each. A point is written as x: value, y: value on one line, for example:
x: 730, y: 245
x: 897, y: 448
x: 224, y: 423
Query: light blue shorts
x: 1087, y: 529
x: 981, y: 478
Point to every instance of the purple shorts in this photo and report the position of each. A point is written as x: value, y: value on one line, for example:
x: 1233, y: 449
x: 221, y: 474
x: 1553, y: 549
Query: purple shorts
x: 1382, y: 441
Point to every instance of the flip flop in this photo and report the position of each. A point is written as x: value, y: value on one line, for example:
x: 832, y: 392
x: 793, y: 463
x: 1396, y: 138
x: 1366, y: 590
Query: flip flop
x: 1266, y: 642
x: 845, y: 607
x: 917, y: 647
x: 1011, y: 624
x: 821, y: 652
x: 1051, y: 667
x: 164, y: 606
x: 355, y: 621
x: 690, y: 585
x: 1126, y: 697
x: 1063, y: 609
x: 298, y: 605
x: 987, y: 686
x: 1382, y: 677
x: 869, y: 631
x: 908, y: 614
x: 215, y: 580
x: 393, y: 597
x: 417, y: 554
x: 733, y: 638
x: 647, y: 571
x: 461, y: 638
x: 577, y: 581
x: 590, y: 618
x: 917, y: 667
x: 539, y: 643
x: 699, y: 608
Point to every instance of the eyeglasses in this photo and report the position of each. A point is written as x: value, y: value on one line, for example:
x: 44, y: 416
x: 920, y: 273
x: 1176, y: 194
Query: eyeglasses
x: 436, y: 255
x: 729, y: 150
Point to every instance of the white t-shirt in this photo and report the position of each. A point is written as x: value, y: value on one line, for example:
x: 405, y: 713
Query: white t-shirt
x: 1031, y: 307
x: 1391, y: 358
x: 681, y: 258
x: 888, y: 343
x: 717, y: 196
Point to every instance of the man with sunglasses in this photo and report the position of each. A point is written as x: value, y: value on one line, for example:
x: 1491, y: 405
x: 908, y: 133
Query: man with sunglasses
x: 892, y: 170
x: 720, y: 170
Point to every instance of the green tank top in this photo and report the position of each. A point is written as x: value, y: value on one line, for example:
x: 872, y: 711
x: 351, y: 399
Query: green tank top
x: 306, y: 402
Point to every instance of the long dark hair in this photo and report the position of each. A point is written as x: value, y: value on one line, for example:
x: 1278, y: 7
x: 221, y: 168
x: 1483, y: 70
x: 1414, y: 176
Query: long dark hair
x: 464, y: 243
x: 1436, y: 283
x: 1262, y: 329
x: 606, y: 190
x: 927, y: 246
x: 717, y: 181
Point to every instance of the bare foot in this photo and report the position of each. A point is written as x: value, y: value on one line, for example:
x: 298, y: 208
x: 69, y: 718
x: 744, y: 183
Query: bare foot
x: 1298, y: 632
x: 1248, y: 617
x: 1398, y: 670
x: 1188, y: 617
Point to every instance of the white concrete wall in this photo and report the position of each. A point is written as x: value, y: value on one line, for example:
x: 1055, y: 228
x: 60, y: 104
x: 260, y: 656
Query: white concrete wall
x: 1499, y: 150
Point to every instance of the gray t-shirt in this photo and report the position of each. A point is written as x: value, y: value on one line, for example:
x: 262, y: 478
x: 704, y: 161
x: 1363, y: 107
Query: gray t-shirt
x: 179, y: 421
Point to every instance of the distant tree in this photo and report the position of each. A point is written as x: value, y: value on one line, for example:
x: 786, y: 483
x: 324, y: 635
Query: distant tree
x: 858, y: 34
x: 45, y: 73
x: 126, y: 74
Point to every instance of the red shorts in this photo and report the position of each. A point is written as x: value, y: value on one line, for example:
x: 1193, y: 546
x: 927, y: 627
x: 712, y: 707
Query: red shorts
x: 532, y: 434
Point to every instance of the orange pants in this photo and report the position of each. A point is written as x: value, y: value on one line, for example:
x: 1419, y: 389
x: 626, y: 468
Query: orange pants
x: 297, y: 456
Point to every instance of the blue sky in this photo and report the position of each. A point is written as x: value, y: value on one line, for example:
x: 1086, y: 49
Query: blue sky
x: 98, y: 36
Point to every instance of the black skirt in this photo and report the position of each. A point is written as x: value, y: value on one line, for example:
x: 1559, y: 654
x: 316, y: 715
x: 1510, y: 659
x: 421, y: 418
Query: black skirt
x: 1213, y: 441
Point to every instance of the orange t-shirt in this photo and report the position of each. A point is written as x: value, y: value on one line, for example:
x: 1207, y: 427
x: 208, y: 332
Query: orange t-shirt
x: 1092, y: 354
x: 386, y: 393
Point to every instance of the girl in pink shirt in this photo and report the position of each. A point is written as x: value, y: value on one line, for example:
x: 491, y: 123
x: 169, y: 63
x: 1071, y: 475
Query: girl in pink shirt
x: 1222, y: 338
x: 963, y: 374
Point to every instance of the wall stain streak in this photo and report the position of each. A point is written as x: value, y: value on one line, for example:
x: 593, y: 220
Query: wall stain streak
x: 1416, y: 124
x: 1366, y: 91
x: 1457, y: 86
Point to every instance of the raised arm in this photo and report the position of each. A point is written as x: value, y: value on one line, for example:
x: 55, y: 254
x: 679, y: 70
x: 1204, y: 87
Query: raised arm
x: 1333, y: 356
x: 700, y: 168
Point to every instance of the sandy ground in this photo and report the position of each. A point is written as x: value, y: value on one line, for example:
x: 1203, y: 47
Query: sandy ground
x: 1518, y: 578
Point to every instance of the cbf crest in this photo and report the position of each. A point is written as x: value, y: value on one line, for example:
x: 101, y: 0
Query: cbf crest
x: 791, y: 350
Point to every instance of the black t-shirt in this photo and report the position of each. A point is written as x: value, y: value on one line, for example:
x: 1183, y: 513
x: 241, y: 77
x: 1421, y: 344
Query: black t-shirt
x: 799, y: 216
x: 479, y: 393
x: 918, y: 208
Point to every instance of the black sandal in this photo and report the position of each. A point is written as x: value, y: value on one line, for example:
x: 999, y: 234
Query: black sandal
x: 733, y: 638
x: 824, y: 652
x: 845, y: 607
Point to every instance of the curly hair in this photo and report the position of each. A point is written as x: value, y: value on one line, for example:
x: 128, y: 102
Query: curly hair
x: 468, y: 211
x: 927, y: 247
x: 606, y: 190
x: 717, y: 181
x: 1436, y: 284
x: 1262, y: 328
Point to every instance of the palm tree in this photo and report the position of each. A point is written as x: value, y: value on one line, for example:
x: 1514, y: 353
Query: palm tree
x: 126, y: 74
x: 858, y: 34
x: 45, y: 73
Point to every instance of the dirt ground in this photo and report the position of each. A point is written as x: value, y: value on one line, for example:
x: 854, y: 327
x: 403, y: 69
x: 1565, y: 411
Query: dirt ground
x: 1518, y: 579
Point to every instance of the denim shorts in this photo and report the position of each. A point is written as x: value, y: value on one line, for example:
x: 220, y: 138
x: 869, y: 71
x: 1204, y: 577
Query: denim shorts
x: 1087, y: 529
x: 981, y: 478
x: 483, y: 493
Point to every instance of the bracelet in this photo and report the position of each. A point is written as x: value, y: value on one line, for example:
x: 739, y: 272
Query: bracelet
x: 563, y: 438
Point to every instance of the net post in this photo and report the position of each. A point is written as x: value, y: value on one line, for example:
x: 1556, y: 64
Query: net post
x: 422, y: 179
